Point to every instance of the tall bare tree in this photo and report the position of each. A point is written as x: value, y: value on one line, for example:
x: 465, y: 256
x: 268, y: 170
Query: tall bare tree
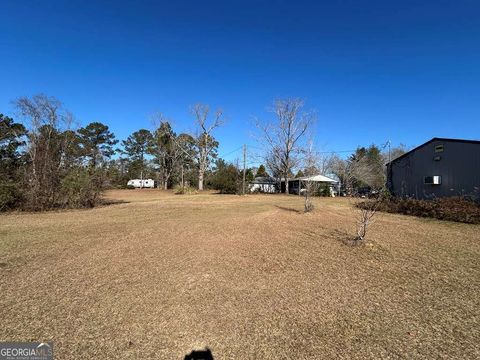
x: 47, y: 120
x: 283, y: 139
x: 205, y: 143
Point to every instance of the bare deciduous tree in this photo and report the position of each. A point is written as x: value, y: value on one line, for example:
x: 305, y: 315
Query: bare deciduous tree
x: 205, y: 142
x: 283, y: 138
x: 366, y: 212
x: 359, y: 168
x: 46, y: 148
x: 345, y: 171
x: 368, y: 169
x: 325, y: 163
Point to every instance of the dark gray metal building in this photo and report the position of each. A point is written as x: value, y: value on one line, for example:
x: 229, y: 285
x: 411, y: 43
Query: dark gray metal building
x: 439, y: 168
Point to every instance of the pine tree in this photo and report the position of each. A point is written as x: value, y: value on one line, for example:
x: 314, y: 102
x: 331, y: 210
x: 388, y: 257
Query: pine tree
x: 261, y: 171
x: 12, y: 136
x: 300, y: 174
x: 136, y: 147
x: 11, y: 140
x: 97, y: 142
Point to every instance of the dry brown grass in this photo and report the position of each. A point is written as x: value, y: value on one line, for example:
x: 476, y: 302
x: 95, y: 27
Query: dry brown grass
x: 163, y: 274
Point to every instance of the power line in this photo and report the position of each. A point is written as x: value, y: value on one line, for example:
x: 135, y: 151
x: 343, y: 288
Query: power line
x: 320, y: 152
x: 259, y: 148
x: 231, y: 152
x: 336, y: 152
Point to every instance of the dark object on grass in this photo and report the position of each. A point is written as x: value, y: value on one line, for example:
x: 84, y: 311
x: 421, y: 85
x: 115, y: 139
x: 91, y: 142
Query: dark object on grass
x: 199, y: 355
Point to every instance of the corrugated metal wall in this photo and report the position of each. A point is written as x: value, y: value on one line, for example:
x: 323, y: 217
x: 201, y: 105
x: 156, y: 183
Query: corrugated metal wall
x: 458, y: 165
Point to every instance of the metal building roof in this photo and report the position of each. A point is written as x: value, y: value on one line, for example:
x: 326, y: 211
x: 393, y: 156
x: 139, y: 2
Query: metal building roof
x: 431, y: 140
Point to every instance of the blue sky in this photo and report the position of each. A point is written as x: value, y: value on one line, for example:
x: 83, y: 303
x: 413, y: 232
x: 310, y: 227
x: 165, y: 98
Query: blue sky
x: 403, y: 71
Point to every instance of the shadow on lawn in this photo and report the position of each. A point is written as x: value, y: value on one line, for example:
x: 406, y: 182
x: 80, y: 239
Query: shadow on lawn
x: 344, y: 237
x: 109, y: 202
x: 199, y: 355
x: 289, y: 209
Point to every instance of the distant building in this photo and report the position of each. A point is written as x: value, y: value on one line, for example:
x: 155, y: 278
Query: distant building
x: 439, y: 168
x: 139, y: 183
x: 298, y: 185
x: 264, y: 184
x: 295, y: 186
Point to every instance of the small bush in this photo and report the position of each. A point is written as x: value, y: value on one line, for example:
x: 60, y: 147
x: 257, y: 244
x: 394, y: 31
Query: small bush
x: 326, y: 191
x: 80, y: 189
x: 452, y: 208
x: 184, y: 190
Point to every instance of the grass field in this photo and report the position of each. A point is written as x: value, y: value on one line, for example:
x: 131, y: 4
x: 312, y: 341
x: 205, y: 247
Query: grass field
x: 249, y: 277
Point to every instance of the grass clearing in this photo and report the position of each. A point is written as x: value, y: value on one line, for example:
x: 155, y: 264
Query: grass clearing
x: 160, y: 274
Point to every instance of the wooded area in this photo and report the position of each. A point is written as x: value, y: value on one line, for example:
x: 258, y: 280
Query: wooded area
x: 47, y: 162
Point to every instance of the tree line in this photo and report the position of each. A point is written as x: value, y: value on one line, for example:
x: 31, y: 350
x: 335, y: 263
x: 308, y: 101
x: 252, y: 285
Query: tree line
x: 45, y: 163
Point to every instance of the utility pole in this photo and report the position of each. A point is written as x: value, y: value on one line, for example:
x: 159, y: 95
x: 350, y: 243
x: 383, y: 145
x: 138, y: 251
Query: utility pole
x: 244, y: 166
x: 389, y: 144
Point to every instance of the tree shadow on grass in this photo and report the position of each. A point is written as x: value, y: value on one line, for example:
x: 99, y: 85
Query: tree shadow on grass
x: 348, y: 238
x: 199, y: 355
x: 289, y: 209
x: 109, y: 202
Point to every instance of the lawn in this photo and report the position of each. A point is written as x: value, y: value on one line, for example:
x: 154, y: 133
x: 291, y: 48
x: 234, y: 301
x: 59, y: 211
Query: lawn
x: 157, y: 275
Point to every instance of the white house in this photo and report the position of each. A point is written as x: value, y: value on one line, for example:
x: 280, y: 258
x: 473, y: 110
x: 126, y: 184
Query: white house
x: 264, y: 184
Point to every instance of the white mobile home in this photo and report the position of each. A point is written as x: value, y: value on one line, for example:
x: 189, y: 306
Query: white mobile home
x: 141, y: 183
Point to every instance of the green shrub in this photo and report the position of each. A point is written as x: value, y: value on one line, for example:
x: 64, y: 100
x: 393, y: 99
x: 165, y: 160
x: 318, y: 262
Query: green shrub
x: 226, y: 178
x: 80, y: 189
x: 10, y: 196
x: 322, y: 190
x: 326, y: 191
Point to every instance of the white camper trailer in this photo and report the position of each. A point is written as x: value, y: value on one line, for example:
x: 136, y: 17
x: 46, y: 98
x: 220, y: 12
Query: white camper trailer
x: 138, y: 183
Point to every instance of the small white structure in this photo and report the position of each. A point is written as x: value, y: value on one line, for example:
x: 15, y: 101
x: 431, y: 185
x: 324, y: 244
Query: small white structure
x: 263, y: 185
x: 139, y: 183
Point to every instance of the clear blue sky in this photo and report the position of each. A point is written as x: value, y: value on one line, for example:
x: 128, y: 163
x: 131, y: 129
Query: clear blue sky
x: 373, y: 70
